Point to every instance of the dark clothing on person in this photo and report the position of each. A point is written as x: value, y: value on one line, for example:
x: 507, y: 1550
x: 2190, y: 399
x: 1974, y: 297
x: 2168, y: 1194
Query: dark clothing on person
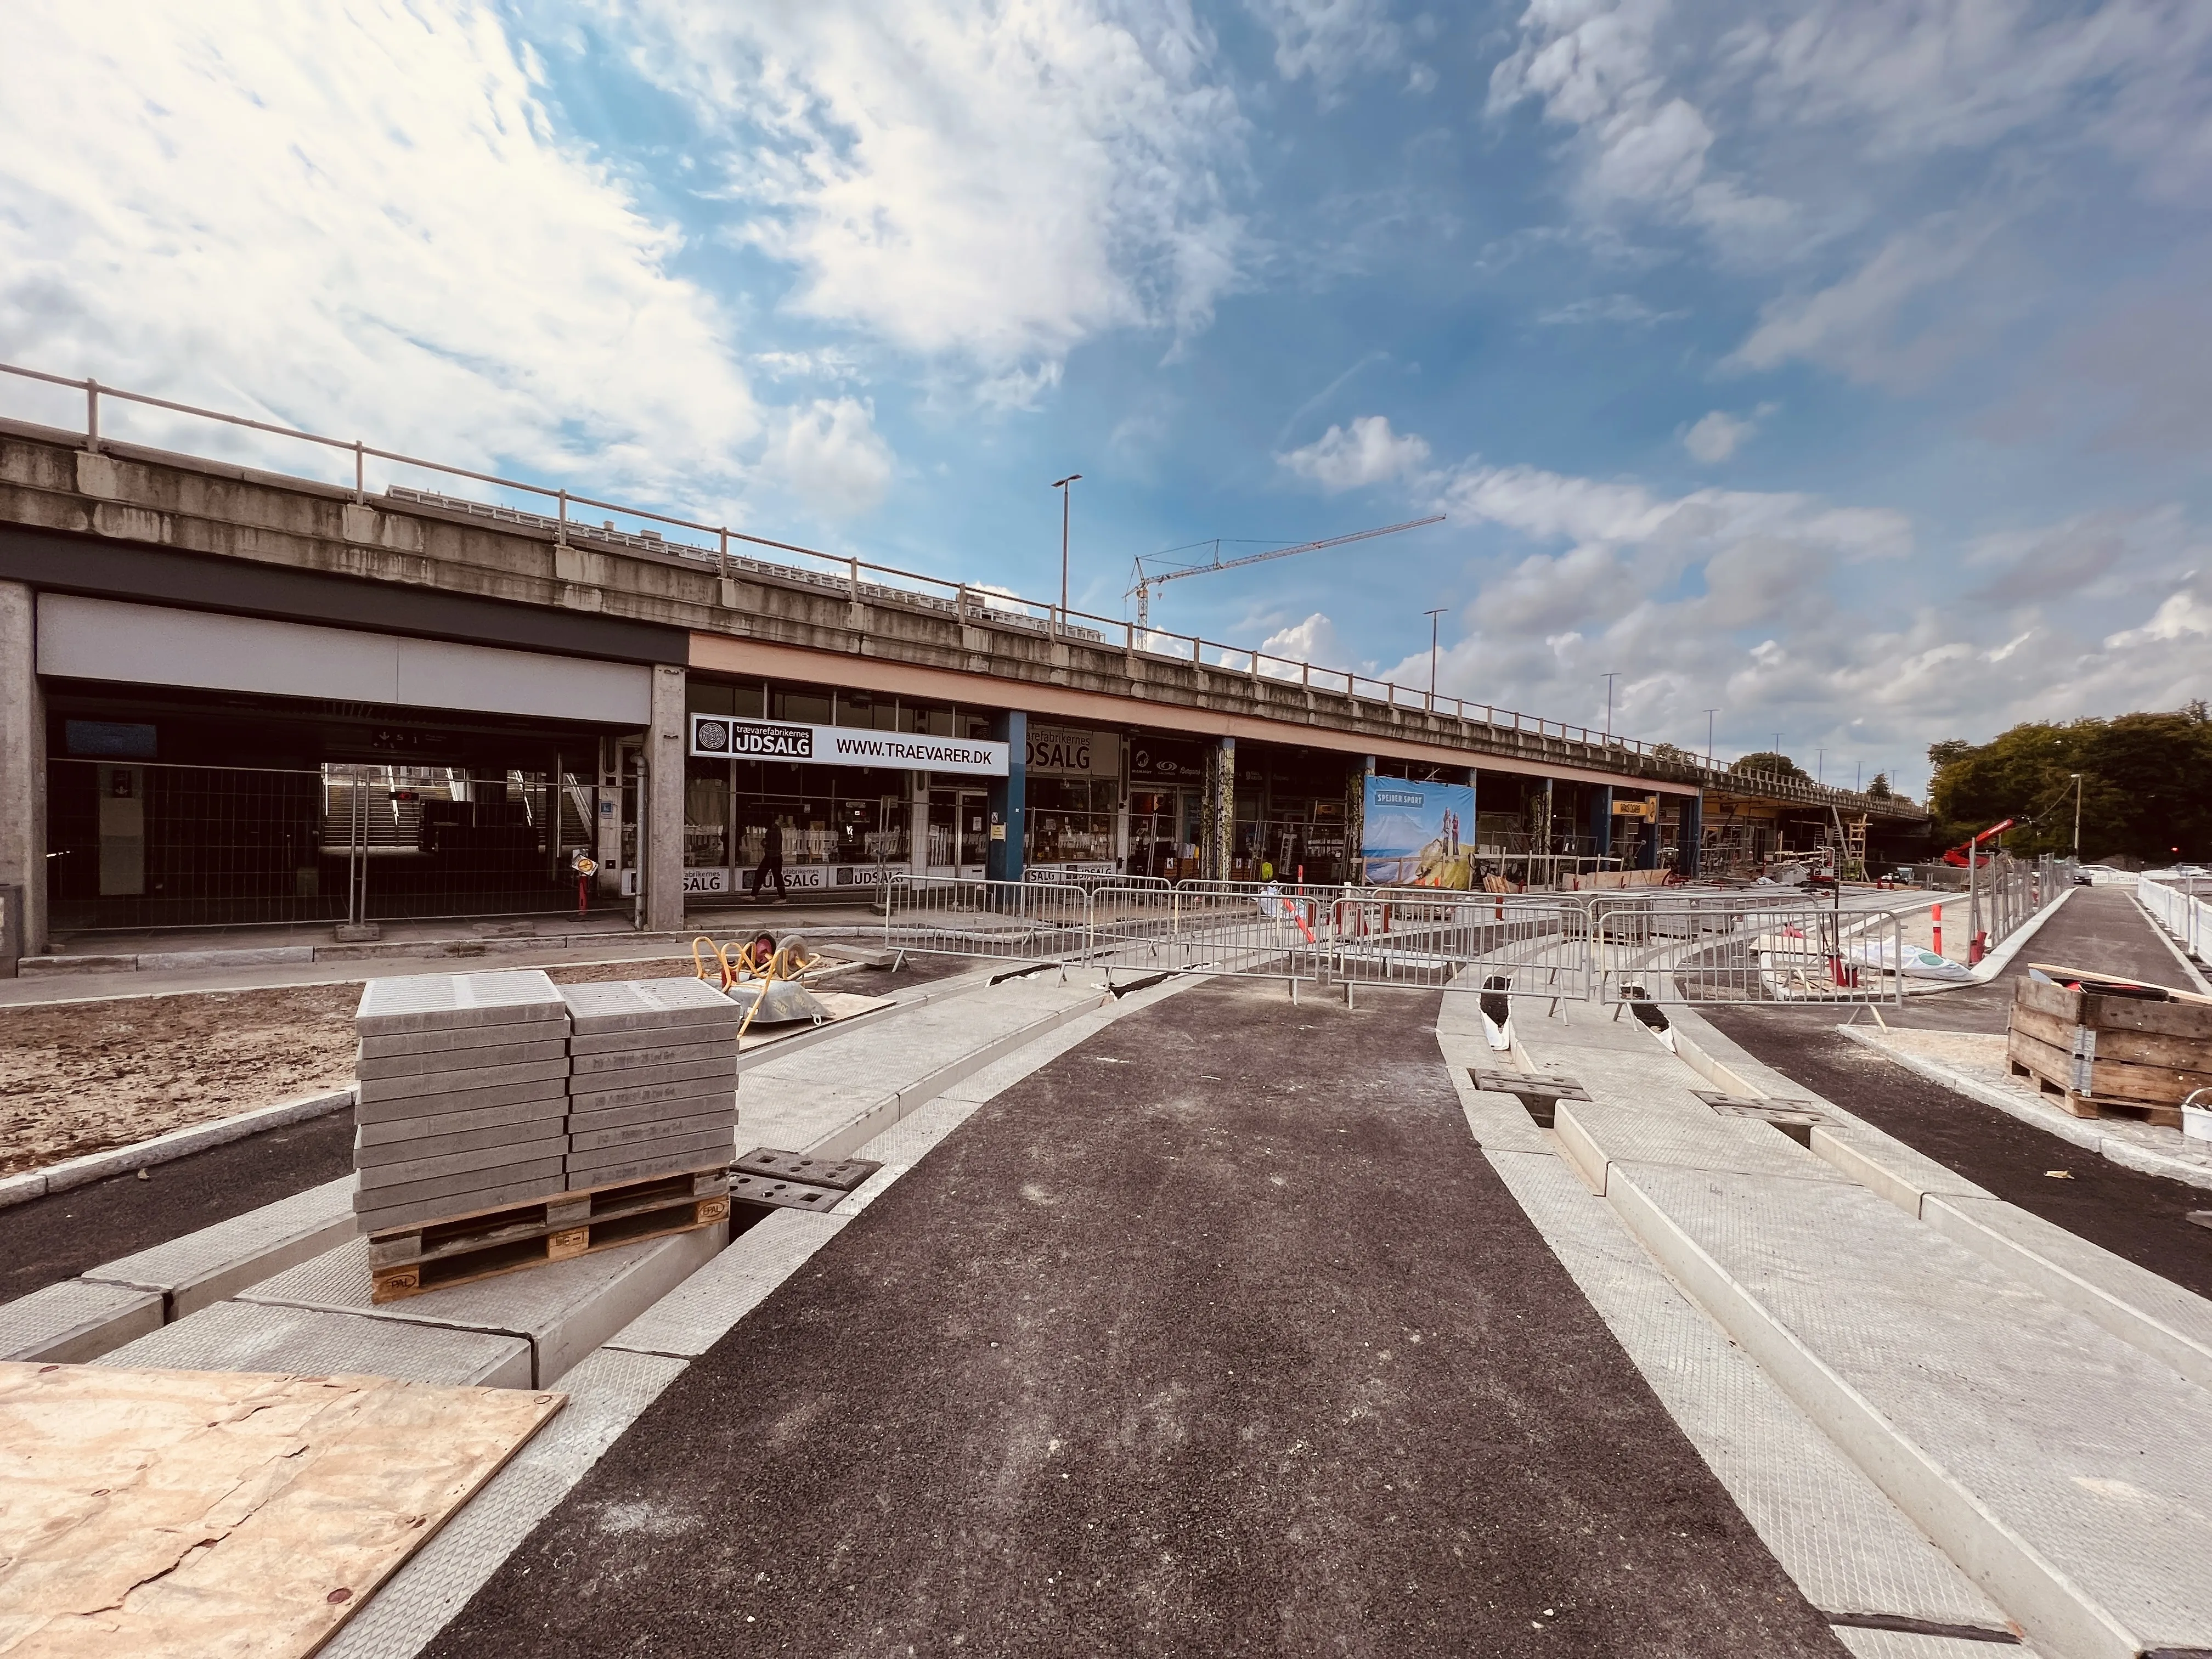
x: 771, y: 862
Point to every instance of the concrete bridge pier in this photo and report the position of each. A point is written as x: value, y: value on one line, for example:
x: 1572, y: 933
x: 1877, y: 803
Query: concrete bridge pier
x: 23, y: 764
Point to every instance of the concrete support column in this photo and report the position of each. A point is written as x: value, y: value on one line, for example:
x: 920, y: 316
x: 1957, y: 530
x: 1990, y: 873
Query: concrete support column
x: 1218, y: 811
x: 917, y: 845
x: 1647, y: 842
x: 1601, y: 819
x: 22, y: 763
x: 1006, y: 852
x: 1688, y: 858
x: 1355, y: 818
x: 662, y: 855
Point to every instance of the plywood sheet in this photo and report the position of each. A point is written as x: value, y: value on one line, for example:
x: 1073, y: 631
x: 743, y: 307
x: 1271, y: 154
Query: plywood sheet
x: 221, y: 1514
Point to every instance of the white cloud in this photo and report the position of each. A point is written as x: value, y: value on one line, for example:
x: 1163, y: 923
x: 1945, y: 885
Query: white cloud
x: 356, y: 218
x: 830, y: 454
x: 1597, y: 67
x: 1368, y: 452
x: 1718, y: 436
x: 993, y: 183
x: 1608, y: 308
x: 2180, y: 617
x: 1853, y: 325
x: 1315, y: 640
x: 1331, y: 40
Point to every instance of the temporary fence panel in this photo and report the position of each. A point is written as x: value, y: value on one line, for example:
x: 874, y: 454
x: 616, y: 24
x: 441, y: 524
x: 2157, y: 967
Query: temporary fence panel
x: 1237, y: 928
x: 1534, y: 943
x: 1001, y: 920
x: 2180, y: 906
x: 1690, y: 950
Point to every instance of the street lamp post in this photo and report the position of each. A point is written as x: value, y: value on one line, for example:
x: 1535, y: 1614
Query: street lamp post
x: 1609, y: 679
x: 1710, y: 712
x: 2077, y: 818
x: 1061, y: 484
x: 1432, y: 616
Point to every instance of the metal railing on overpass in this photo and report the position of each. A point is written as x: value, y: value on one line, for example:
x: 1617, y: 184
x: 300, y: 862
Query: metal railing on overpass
x: 863, y: 581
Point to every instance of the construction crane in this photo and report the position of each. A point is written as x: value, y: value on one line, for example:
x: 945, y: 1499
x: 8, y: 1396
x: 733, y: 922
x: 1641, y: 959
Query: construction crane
x: 1146, y: 582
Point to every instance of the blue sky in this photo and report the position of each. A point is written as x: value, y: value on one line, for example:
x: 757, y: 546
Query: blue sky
x: 1843, y: 364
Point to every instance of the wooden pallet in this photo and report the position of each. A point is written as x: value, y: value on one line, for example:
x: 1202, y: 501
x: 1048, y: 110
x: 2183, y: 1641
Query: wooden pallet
x: 409, y: 1261
x: 2056, y: 1083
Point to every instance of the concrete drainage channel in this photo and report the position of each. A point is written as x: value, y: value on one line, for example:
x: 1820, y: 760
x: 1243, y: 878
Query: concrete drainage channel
x: 1871, y: 1351
x: 287, y: 1288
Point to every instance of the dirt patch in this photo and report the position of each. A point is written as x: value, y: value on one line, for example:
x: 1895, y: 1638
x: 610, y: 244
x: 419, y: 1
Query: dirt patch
x: 81, y: 1078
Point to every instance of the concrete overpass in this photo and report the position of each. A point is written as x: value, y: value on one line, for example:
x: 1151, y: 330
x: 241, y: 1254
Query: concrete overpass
x: 160, y: 609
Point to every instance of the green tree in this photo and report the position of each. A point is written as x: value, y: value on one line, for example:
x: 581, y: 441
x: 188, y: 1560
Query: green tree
x: 2146, y: 786
x: 1879, y: 789
x: 1766, y: 760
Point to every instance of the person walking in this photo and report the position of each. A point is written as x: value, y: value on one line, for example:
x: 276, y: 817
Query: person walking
x: 771, y: 862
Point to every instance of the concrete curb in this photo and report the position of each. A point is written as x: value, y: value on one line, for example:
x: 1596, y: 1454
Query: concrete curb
x: 1994, y: 963
x: 2079, y: 1131
x: 2034, y: 1588
x: 161, y: 1149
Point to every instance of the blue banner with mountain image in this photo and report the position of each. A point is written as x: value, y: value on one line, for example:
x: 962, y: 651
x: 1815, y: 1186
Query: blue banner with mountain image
x: 1418, y: 835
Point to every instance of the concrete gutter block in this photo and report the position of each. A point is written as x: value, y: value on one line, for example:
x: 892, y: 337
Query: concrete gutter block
x: 445, y: 1061
x: 479, y: 1165
x: 243, y: 1336
x: 1580, y: 1146
x: 565, y: 1308
x: 205, y: 1266
x: 75, y: 1321
x: 2144, y: 1309
x: 519, y: 1117
x: 272, y: 956
x: 466, y: 1101
x: 701, y: 1311
x: 457, y: 1083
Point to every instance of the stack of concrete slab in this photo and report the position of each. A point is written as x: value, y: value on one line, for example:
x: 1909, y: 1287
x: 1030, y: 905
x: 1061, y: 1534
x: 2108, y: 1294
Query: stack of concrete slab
x: 462, y: 1098
x: 653, y: 1080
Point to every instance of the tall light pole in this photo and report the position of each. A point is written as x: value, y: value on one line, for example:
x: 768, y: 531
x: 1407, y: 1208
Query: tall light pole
x: 1710, y: 712
x: 1432, y: 616
x: 1061, y: 484
x: 2077, y: 818
x: 1609, y: 679
x: 1819, y: 764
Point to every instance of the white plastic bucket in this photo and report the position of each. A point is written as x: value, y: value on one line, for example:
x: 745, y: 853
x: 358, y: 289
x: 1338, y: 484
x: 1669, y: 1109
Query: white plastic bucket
x: 2197, y: 1123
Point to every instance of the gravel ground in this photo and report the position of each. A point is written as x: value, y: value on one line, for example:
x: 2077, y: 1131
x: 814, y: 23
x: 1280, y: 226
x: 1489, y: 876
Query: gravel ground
x: 79, y: 1078
x: 1217, y: 1335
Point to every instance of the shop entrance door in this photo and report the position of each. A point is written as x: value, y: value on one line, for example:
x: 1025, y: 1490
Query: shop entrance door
x: 959, y: 833
x: 1162, y: 827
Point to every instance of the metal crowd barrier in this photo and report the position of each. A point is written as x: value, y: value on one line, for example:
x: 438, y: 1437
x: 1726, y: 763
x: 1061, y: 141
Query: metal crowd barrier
x: 1729, y: 947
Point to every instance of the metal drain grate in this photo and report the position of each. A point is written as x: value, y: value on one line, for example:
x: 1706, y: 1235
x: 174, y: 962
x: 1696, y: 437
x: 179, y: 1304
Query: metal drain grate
x: 843, y: 1174
x: 1794, y: 1118
x: 1539, y: 1096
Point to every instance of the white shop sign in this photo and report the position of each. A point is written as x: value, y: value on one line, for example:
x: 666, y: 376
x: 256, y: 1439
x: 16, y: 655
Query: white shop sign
x: 1070, y: 751
x: 1052, y: 872
x: 718, y: 737
x: 709, y: 882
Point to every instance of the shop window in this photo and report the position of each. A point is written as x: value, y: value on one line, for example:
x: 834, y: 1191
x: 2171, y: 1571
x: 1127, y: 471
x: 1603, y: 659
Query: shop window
x: 925, y: 719
x: 748, y: 701
x: 1071, y: 820
x: 868, y: 710
x: 806, y: 705
x: 976, y: 728
x: 709, y: 696
x: 705, y: 815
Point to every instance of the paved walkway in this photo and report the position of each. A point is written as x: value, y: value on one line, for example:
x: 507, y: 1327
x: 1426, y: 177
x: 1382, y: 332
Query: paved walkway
x: 2098, y: 930
x: 1216, y: 1335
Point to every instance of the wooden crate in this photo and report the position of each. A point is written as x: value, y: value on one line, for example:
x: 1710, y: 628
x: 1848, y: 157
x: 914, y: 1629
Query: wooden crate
x: 2099, y: 1054
x: 409, y: 1261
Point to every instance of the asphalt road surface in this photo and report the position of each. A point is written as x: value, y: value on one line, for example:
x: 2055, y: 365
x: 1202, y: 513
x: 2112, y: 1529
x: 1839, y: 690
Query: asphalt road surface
x: 2099, y: 930
x: 2143, y: 1217
x: 1217, y: 1335
x: 59, y: 1236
